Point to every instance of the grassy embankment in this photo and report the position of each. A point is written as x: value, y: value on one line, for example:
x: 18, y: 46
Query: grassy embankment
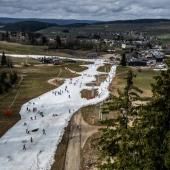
x: 16, y: 48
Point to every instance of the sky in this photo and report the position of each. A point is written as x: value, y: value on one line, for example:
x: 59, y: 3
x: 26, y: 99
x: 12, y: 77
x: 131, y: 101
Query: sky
x: 85, y: 9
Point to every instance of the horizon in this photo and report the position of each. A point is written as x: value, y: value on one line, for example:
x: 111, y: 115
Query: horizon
x: 32, y: 18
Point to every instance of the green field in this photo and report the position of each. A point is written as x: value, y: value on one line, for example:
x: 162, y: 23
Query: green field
x: 143, y: 79
x: 164, y: 38
x: 16, y: 48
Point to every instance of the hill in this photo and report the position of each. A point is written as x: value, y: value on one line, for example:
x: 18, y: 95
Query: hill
x: 136, y: 21
x: 53, y: 26
x: 50, y: 21
x: 27, y: 26
x: 150, y: 26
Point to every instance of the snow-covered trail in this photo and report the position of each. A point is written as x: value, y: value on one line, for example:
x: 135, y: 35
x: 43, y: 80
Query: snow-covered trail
x: 52, y: 112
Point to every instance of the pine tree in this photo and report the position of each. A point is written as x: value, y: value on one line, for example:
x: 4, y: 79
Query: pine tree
x: 123, y: 61
x: 3, y: 59
x: 115, y: 142
x: 58, y: 41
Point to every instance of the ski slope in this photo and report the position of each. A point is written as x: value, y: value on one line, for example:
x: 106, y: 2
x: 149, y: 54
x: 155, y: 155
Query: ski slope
x: 45, y: 117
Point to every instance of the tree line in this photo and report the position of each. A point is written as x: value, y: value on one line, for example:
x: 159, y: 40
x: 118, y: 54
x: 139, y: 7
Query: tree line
x: 56, y: 42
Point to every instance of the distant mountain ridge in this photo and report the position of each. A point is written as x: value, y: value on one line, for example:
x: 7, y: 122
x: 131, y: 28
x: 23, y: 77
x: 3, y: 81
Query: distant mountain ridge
x: 4, y: 20
x: 51, y: 21
x: 33, y: 25
x: 135, y: 21
x: 27, y: 26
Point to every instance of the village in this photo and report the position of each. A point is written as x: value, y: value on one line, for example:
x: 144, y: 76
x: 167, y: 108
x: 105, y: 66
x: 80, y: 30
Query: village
x: 137, y: 49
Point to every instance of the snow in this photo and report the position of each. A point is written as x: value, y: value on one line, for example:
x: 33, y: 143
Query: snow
x: 52, y: 112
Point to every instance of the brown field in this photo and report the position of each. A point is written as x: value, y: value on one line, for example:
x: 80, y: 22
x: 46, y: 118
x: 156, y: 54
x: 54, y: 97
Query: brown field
x: 89, y: 94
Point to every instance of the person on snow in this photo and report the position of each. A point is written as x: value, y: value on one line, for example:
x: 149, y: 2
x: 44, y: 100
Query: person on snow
x: 31, y: 140
x: 44, y: 133
x: 24, y: 147
x: 27, y: 131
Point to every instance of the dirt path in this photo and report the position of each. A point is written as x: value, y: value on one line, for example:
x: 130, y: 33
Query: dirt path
x: 79, y: 133
x: 73, y: 151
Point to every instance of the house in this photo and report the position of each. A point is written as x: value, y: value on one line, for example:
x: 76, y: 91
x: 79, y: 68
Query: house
x: 159, y: 56
x: 137, y: 62
x: 128, y: 46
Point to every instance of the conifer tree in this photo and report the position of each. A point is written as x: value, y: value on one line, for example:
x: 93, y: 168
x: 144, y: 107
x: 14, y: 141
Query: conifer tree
x: 123, y: 60
x: 3, y: 59
x: 115, y: 142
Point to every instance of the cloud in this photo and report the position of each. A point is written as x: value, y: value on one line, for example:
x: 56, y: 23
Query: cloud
x: 85, y: 9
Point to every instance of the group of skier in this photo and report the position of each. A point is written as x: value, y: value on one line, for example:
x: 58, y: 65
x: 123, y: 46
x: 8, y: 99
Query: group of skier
x: 32, y: 107
x: 31, y: 138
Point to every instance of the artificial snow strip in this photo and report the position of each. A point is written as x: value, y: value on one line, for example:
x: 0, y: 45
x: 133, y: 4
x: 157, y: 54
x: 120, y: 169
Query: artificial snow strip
x: 32, y: 142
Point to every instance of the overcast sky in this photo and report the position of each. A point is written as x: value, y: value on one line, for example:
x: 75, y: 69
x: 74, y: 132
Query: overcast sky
x: 85, y: 9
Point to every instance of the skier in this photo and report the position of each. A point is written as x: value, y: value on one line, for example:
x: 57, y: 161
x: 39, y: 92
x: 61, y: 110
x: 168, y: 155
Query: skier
x: 24, y: 147
x: 44, y: 133
x: 27, y: 131
x: 31, y: 139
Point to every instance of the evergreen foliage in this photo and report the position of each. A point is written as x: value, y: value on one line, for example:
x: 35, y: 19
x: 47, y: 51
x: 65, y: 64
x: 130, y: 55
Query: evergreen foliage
x: 7, y: 80
x: 123, y: 60
x: 140, y: 139
x: 3, y: 59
